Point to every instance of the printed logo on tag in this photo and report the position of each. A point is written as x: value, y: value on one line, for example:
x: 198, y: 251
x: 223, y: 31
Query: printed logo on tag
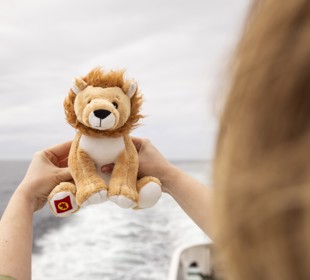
x: 63, y: 205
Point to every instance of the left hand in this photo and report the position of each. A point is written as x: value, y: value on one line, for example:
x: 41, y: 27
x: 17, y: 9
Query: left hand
x: 47, y: 169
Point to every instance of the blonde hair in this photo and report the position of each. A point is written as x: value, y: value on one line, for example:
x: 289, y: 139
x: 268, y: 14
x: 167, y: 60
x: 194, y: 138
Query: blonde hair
x: 262, y: 165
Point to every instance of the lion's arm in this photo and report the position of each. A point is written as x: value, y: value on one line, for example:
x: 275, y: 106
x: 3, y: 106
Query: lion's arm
x: 126, y: 168
x: 81, y: 165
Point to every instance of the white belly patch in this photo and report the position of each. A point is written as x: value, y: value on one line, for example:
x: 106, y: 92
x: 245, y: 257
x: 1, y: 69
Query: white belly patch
x: 102, y: 150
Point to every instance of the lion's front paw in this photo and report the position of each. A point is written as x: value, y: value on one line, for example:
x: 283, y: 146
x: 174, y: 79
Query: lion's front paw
x: 125, y: 197
x: 96, y: 198
x: 93, y: 192
x: 123, y: 201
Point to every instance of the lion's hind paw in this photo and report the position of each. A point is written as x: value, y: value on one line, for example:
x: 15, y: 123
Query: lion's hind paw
x: 63, y: 204
x: 149, y: 195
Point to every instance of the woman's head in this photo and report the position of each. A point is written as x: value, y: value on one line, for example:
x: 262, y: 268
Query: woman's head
x: 262, y: 166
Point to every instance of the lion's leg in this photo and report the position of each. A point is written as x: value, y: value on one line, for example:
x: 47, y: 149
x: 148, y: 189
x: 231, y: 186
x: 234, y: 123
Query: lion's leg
x: 62, y: 200
x: 149, y: 189
x: 122, y: 187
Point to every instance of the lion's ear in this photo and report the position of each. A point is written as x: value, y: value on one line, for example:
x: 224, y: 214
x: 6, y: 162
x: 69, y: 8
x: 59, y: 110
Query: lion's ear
x: 78, y: 85
x: 132, y: 89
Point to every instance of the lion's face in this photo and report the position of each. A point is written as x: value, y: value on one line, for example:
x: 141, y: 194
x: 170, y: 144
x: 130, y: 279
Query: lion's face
x: 103, y: 104
x: 102, y: 108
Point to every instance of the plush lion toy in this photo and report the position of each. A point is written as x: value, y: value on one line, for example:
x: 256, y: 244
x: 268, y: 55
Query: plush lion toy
x: 104, y: 108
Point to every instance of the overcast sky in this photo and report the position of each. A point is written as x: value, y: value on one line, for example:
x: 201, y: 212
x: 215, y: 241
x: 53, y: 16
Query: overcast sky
x: 175, y: 49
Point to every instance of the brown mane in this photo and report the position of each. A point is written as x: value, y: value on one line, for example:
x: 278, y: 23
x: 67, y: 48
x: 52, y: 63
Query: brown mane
x: 98, y: 78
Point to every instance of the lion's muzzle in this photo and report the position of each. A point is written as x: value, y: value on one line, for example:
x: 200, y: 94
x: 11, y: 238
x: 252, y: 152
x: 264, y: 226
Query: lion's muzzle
x: 102, y: 119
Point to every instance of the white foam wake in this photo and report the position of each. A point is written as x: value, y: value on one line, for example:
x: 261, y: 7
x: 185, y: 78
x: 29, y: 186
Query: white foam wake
x: 107, y: 242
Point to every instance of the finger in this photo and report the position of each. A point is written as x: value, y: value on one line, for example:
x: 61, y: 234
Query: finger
x: 63, y: 163
x: 137, y: 142
x: 107, y: 169
x: 64, y: 174
x: 61, y: 150
x: 58, y: 152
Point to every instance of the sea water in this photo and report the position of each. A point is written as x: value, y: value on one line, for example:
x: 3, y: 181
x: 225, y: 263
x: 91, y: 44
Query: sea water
x: 107, y: 242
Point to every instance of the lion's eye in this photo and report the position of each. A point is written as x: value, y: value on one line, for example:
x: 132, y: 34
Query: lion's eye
x: 115, y: 104
x: 88, y: 101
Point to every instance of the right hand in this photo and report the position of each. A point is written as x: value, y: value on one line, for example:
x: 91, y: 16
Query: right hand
x: 152, y: 162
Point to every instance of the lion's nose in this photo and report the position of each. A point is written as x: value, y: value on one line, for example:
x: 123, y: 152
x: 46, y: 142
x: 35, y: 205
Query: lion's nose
x: 102, y: 114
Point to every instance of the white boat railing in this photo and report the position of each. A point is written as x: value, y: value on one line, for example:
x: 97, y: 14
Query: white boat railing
x: 192, y: 262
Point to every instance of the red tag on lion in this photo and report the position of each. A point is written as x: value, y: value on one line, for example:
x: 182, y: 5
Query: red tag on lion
x: 63, y: 205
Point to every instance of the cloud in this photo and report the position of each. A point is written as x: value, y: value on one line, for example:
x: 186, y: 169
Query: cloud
x: 174, y: 51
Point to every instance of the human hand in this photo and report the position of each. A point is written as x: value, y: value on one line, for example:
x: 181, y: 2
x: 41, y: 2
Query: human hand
x: 47, y: 169
x: 151, y: 161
